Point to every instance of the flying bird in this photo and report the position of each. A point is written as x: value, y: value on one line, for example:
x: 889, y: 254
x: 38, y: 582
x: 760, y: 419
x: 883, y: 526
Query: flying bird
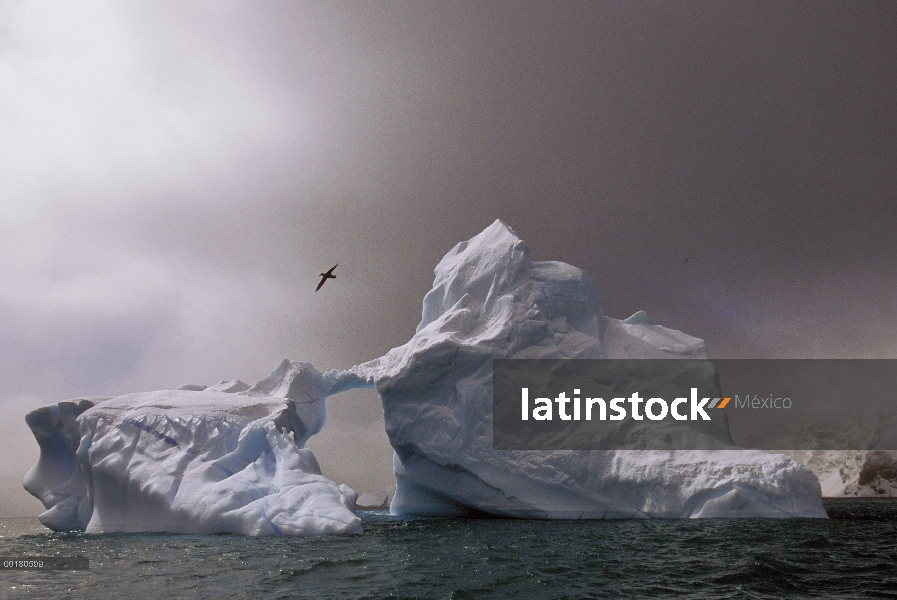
x: 328, y: 275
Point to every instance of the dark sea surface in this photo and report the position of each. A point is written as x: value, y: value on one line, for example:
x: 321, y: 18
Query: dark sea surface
x: 851, y: 555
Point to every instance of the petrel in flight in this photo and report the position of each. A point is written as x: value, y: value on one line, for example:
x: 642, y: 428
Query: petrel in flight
x: 328, y: 275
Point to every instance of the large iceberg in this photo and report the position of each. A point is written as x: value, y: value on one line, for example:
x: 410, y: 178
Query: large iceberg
x: 230, y: 458
x: 227, y: 459
x: 490, y: 301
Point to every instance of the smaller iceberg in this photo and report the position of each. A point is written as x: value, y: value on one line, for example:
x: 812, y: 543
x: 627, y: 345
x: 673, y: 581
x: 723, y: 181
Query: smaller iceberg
x: 224, y: 459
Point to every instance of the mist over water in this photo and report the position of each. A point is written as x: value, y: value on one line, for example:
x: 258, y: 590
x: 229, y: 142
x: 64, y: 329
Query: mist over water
x: 850, y: 555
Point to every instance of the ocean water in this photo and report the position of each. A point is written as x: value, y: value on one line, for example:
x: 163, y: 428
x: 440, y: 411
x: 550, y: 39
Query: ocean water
x: 851, y: 555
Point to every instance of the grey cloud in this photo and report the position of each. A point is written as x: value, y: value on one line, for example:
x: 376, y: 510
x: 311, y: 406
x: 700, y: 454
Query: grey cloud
x: 81, y: 351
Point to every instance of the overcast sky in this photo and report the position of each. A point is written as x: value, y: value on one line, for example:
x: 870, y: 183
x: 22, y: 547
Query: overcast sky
x: 174, y: 175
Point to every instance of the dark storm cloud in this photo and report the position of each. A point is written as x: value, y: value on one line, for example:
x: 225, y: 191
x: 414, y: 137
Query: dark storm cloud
x: 176, y: 176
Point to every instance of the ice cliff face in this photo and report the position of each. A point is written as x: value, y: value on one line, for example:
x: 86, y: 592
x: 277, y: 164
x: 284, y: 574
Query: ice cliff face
x: 226, y: 459
x: 490, y: 300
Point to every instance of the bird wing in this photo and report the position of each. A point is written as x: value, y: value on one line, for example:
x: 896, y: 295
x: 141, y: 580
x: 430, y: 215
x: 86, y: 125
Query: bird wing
x: 328, y: 275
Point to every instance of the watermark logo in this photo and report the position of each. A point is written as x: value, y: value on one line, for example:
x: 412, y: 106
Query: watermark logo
x: 757, y: 402
x: 690, y: 404
x: 655, y: 409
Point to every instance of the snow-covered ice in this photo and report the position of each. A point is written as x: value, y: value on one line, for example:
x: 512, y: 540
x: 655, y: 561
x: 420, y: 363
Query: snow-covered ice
x: 230, y: 457
x: 852, y: 473
x: 227, y: 459
x: 490, y: 300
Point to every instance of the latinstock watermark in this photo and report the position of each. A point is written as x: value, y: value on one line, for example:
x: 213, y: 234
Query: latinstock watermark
x: 757, y: 402
x: 689, y: 404
x: 542, y: 407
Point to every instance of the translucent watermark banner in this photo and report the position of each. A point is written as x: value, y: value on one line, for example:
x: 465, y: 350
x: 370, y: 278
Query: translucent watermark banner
x: 695, y: 404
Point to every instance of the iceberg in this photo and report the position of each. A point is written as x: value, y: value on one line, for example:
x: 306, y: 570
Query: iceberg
x: 224, y: 459
x: 230, y: 458
x: 490, y: 300
x: 373, y: 500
